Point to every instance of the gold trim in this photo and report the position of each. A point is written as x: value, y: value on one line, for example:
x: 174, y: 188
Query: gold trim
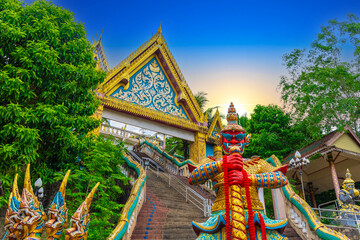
x: 151, y: 114
x: 216, y: 120
x: 129, y: 202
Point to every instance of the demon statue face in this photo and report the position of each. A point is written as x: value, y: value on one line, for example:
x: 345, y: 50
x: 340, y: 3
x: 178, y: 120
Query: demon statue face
x: 233, y: 134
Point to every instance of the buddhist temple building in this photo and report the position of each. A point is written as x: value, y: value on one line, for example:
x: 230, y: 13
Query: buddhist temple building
x: 330, y: 157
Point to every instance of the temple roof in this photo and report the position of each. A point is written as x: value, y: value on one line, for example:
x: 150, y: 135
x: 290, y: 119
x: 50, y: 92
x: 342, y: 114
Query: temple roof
x: 324, y: 143
x: 154, y: 58
x: 215, y: 128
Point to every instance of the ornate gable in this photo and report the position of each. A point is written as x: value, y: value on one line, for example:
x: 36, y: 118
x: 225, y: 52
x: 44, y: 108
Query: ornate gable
x: 150, y: 87
x: 150, y: 79
x: 214, y: 128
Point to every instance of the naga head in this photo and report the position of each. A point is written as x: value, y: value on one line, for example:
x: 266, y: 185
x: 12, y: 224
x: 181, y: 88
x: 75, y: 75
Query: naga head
x: 233, y: 134
x: 58, y: 212
x: 79, y: 222
x: 31, y: 210
x: 12, y: 217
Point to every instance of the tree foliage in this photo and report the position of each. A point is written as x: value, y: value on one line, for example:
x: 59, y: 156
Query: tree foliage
x: 174, y: 145
x: 211, y: 114
x: 322, y: 87
x: 272, y: 132
x: 47, y: 98
x: 47, y: 77
x: 100, y: 163
x: 201, y: 99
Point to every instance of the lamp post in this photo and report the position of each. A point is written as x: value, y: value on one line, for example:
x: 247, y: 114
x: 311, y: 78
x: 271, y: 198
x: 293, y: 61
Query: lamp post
x: 298, y: 164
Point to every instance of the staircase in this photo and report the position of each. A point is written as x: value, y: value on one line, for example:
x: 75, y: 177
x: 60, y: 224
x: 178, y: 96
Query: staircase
x: 165, y: 214
x: 290, y: 233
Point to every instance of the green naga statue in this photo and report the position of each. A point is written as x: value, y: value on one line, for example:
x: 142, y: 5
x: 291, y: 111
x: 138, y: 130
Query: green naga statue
x: 25, y: 218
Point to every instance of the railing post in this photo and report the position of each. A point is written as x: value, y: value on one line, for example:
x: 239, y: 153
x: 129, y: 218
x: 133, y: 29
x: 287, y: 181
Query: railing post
x: 205, y: 207
x: 209, y: 207
x: 169, y: 179
x: 356, y: 221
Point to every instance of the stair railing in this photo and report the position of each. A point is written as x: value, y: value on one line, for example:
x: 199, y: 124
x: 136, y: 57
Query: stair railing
x: 135, y: 157
x: 190, y: 195
x: 170, y: 165
x: 340, y: 219
x: 130, y: 211
x: 302, y: 217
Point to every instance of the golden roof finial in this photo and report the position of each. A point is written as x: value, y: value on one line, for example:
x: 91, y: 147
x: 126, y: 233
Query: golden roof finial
x: 159, y: 30
x: 101, y: 33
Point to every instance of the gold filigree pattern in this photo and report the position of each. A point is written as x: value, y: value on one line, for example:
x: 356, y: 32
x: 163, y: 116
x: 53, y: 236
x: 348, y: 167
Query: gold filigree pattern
x: 150, y: 88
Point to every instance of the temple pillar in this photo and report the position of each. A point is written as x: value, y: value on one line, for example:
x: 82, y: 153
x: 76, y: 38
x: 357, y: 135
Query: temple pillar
x: 218, y: 152
x: 261, y: 197
x: 278, y: 204
x: 312, y: 194
x: 333, y: 174
x: 198, y: 148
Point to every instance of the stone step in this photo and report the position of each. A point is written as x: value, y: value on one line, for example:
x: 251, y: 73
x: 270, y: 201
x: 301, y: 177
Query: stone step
x: 290, y: 233
x: 151, y: 219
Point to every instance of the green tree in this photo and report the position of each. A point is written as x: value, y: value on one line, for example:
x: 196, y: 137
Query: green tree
x: 322, y: 87
x: 100, y: 163
x: 272, y: 132
x: 47, y: 98
x: 211, y: 114
x: 201, y: 99
x: 243, y: 120
x: 47, y: 78
x: 174, y: 145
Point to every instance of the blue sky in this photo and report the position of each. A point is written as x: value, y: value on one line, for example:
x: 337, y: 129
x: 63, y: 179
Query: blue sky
x: 230, y: 49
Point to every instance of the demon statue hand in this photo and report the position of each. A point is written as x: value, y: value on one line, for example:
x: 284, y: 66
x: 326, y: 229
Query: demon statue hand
x: 347, y: 197
x: 237, y: 212
x: 25, y: 217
